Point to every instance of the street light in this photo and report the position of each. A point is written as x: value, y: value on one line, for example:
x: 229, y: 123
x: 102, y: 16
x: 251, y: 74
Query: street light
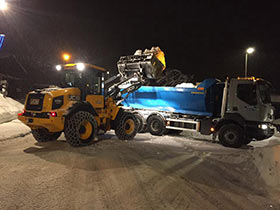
x: 250, y: 50
x: 3, y: 5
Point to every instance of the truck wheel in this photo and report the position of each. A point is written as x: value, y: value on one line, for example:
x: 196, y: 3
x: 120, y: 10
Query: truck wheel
x: 156, y: 125
x: 80, y: 129
x: 126, y: 125
x: 141, y: 123
x: 231, y: 135
x: 43, y: 135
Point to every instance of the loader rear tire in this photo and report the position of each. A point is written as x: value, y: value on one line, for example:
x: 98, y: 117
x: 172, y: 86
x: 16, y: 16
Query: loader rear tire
x: 156, y: 125
x: 80, y: 129
x: 231, y: 135
x: 43, y: 135
x: 126, y: 125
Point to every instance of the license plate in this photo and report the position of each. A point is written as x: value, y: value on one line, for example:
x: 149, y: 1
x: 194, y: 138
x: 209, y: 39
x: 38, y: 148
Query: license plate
x: 34, y: 101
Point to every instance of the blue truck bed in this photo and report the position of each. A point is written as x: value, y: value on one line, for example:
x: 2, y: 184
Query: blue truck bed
x: 199, y: 100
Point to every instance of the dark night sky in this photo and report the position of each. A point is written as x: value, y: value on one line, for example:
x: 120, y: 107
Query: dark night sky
x: 204, y: 38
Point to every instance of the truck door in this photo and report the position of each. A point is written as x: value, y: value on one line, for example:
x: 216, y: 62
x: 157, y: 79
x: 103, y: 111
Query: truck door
x: 243, y: 99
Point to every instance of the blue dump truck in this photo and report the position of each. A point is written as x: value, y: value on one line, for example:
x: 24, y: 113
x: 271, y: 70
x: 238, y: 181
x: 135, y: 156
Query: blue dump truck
x: 238, y: 110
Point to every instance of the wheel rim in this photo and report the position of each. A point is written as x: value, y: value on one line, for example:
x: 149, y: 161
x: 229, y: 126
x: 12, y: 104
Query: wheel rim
x: 85, y: 130
x: 155, y: 125
x: 230, y: 137
x: 129, y: 126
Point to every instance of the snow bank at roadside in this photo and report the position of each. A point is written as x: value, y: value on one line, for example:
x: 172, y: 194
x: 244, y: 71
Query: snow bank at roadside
x: 13, y: 129
x: 9, y: 109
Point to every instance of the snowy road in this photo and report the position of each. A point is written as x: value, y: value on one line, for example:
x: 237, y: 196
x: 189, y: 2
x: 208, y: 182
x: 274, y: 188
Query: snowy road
x: 147, y: 173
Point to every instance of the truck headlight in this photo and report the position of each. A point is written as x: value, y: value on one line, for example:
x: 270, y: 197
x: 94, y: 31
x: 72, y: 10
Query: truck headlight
x: 57, y: 102
x: 263, y: 126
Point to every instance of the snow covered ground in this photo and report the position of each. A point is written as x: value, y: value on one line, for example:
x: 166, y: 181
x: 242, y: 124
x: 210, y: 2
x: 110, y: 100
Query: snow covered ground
x: 150, y: 172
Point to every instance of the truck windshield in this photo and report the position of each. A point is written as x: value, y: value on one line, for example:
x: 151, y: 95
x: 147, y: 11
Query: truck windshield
x: 264, y: 89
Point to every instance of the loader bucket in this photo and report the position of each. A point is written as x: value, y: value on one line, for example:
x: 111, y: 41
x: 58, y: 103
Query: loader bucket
x: 151, y: 63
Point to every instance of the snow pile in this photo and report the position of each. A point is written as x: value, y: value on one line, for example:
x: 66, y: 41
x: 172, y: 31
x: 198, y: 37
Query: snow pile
x: 13, y: 129
x: 9, y: 109
x: 266, y: 155
x: 186, y: 85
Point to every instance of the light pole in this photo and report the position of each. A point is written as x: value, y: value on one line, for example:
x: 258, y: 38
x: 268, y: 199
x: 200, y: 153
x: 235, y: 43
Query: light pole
x: 250, y: 50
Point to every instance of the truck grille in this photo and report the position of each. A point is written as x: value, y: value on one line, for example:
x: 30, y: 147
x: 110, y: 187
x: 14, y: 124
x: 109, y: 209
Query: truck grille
x: 35, y: 102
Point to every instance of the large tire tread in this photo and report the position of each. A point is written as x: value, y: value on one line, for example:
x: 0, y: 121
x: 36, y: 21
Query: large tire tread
x: 43, y: 135
x: 156, y: 125
x: 120, y: 123
x: 72, y: 125
x: 142, y: 127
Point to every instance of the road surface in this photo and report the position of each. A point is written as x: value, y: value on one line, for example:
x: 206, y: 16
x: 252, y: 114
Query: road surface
x: 147, y: 173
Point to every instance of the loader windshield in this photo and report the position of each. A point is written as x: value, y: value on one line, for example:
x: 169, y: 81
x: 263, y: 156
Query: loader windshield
x: 71, y: 79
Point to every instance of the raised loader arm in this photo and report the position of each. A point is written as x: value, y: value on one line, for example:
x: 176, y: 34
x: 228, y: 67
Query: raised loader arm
x: 134, y: 72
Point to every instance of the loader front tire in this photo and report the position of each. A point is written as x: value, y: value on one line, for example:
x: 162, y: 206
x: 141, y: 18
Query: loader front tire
x: 80, y: 129
x: 126, y: 125
x: 43, y: 135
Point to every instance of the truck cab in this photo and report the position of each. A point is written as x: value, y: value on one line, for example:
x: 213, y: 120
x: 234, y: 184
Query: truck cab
x: 248, y: 104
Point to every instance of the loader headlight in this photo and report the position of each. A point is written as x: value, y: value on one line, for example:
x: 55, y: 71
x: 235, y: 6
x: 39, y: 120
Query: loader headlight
x: 57, y: 102
x: 80, y: 66
x: 263, y: 126
x: 58, y: 67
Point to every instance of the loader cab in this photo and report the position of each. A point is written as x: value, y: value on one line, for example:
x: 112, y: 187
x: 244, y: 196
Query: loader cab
x: 88, y: 78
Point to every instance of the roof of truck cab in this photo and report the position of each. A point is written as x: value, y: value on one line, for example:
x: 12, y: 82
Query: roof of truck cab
x: 69, y: 66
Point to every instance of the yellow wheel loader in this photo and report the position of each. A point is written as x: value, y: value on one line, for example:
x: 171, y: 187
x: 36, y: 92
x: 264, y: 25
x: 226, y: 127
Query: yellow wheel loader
x: 86, y: 103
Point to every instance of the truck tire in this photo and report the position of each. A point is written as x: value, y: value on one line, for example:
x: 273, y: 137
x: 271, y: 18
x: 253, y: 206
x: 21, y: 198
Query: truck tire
x: 156, y: 125
x: 141, y: 123
x: 80, y: 129
x: 43, y: 135
x: 126, y: 125
x: 231, y: 135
